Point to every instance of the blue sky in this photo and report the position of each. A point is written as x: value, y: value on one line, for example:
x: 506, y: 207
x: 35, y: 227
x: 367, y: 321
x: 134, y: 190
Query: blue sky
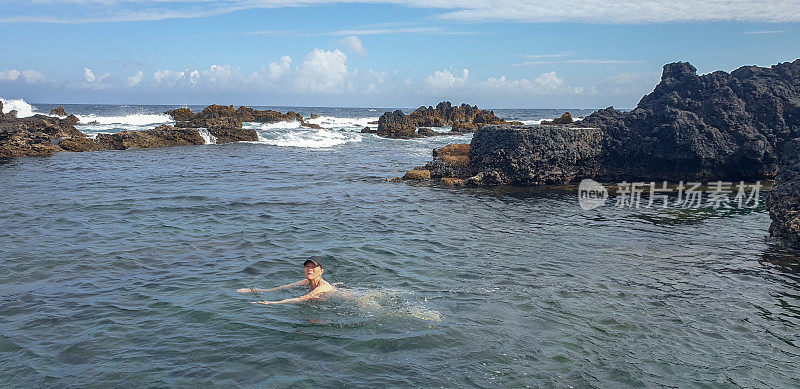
x: 494, y: 53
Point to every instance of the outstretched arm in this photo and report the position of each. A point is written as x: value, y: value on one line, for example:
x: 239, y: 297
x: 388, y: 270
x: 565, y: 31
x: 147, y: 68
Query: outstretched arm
x: 309, y: 296
x: 292, y: 285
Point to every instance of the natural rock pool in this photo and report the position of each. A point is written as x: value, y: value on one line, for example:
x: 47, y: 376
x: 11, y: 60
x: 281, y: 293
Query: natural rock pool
x: 120, y: 268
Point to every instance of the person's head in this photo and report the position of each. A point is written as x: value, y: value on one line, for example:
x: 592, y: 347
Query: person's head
x: 313, y: 268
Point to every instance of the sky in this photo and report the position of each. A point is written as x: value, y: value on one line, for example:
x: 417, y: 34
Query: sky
x: 378, y: 53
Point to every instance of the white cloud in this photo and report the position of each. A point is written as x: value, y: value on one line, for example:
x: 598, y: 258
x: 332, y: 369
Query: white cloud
x: 135, y: 79
x: 9, y: 75
x: 353, y: 43
x: 445, y: 80
x: 589, y: 11
x: 322, y: 71
x: 32, y: 76
x: 89, y: 75
x: 277, y: 71
x: 93, y: 81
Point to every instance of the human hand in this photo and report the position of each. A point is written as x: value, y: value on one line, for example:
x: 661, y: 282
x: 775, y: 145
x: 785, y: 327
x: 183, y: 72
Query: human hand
x: 262, y: 302
x: 245, y: 290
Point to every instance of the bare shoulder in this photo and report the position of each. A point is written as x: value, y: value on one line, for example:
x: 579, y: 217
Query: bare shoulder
x: 325, y: 286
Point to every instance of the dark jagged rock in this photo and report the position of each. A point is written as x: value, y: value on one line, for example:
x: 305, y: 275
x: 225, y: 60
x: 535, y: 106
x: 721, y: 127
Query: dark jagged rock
x: 718, y: 126
x: 452, y: 149
x: 715, y: 126
x: 79, y: 145
x: 1, y: 109
x: 463, y: 119
x: 367, y: 130
x: 461, y: 127
x: 161, y: 136
x: 533, y: 155
x: 247, y: 114
x: 396, y: 125
x: 33, y: 136
x: 181, y: 114
x: 417, y: 175
x: 60, y: 111
x: 12, y: 114
x: 213, y: 116
x: 425, y: 131
x: 228, y: 135
x: 310, y: 125
x: 220, y: 116
x: 450, y: 166
x: 784, y: 199
x: 566, y: 118
x: 72, y: 119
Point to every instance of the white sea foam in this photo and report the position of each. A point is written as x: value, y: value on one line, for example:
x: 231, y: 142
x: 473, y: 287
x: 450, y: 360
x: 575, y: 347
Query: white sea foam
x: 343, y: 123
x: 209, y: 139
x: 23, y: 109
x: 306, y: 137
x: 134, y: 119
x: 272, y: 126
x: 539, y: 121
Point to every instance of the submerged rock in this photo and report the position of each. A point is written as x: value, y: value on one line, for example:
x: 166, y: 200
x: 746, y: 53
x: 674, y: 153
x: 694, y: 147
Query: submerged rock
x: 367, y: 130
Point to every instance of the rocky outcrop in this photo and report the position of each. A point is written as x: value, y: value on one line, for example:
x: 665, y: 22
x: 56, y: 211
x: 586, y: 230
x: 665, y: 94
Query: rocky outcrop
x: 213, y: 116
x: 449, y: 167
x: 396, y: 125
x: 80, y: 145
x: 161, y: 136
x: 462, y: 119
x: 247, y: 114
x: 60, y: 111
x: 719, y: 126
x: 41, y: 135
x: 566, y: 118
x: 220, y: 116
x: 710, y: 127
x: 33, y: 136
x: 72, y: 119
x: 368, y: 130
x: 229, y: 135
x: 783, y: 200
x: 533, y: 155
x: 181, y: 114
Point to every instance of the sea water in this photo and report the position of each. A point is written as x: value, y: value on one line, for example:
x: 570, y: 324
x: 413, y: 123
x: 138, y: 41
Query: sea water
x: 119, y: 268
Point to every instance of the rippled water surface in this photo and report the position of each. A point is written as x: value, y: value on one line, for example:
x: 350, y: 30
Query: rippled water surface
x: 120, y: 268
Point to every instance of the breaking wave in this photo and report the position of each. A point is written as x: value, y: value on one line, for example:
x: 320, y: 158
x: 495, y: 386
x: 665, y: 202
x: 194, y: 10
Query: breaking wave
x: 23, y: 109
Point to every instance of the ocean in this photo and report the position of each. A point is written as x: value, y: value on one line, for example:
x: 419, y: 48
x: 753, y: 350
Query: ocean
x: 119, y: 268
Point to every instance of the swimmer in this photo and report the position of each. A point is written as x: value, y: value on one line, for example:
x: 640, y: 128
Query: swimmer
x: 317, y: 286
